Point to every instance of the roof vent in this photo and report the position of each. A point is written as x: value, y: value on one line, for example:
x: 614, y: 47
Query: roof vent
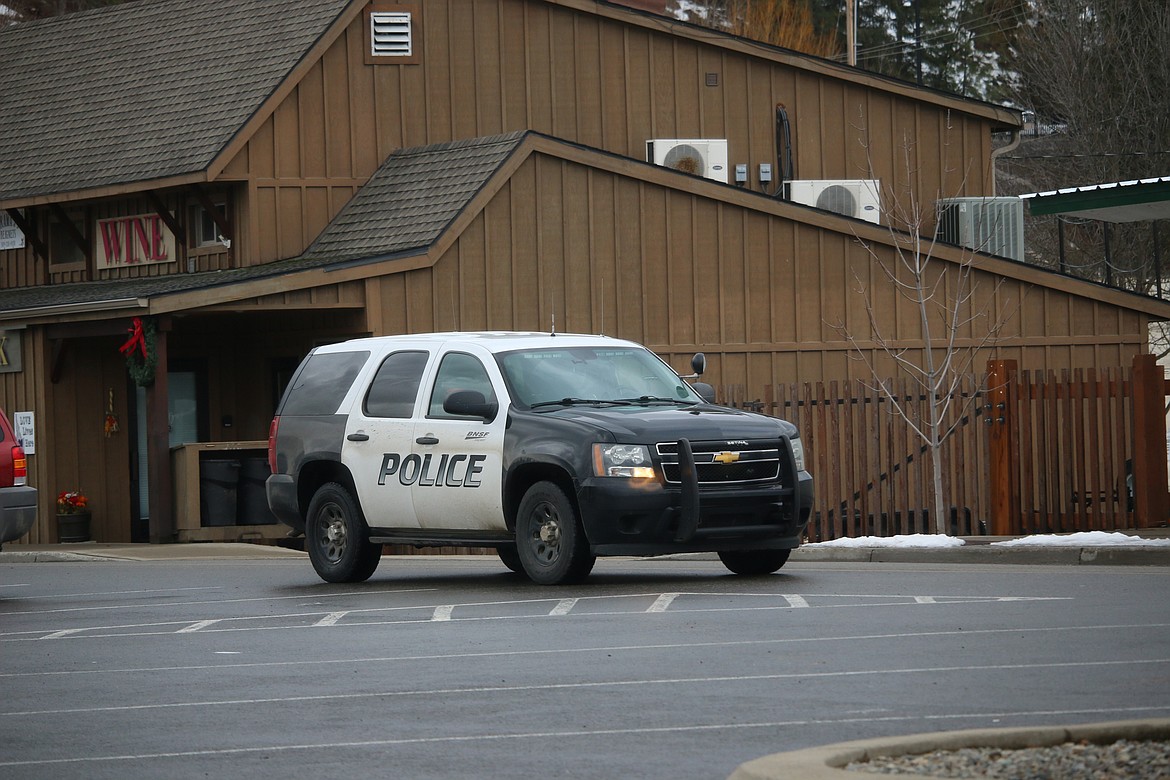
x: 390, y: 34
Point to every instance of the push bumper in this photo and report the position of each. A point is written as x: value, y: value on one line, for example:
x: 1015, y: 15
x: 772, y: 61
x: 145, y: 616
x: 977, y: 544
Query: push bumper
x: 650, y: 518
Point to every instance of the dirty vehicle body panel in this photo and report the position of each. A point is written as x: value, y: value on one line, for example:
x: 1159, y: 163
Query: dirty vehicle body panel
x: 18, y: 500
x: 554, y: 449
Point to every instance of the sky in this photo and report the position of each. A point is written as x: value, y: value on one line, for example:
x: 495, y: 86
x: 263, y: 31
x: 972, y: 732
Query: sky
x: 1081, y: 539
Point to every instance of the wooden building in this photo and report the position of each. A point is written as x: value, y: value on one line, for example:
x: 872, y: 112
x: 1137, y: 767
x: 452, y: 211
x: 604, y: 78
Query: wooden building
x: 251, y: 179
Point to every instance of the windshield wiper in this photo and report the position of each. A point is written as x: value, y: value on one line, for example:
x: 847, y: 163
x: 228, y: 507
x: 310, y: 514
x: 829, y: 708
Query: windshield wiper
x: 579, y: 402
x: 657, y: 399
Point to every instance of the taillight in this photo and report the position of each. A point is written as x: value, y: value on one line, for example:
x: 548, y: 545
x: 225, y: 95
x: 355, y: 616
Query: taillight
x: 19, y: 466
x: 272, y: 444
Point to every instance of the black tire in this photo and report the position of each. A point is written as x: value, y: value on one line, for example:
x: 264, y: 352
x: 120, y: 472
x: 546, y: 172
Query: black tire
x: 511, y: 558
x: 549, y: 539
x: 336, y: 537
x: 753, y: 563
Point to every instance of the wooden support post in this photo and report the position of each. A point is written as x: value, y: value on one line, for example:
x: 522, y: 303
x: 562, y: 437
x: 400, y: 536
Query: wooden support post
x: 1005, y: 493
x: 1151, y: 496
x: 158, y: 448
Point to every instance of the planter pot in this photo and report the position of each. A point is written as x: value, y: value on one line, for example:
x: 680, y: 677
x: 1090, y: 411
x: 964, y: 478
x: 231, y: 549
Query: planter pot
x: 73, y: 527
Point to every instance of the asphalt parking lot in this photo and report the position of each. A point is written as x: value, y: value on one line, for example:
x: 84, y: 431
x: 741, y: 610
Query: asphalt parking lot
x: 229, y: 662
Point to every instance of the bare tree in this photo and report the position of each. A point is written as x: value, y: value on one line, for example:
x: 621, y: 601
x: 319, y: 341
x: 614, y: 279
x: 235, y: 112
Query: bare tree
x: 957, y: 322
x: 1096, y: 75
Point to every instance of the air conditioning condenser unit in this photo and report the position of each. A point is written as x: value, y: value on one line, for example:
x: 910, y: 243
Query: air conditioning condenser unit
x: 857, y: 198
x: 697, y: 156
x: 994, y: 226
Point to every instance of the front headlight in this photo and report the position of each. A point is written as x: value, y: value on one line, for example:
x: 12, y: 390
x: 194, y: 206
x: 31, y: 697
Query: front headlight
x: 622, y: 460
x: 798, y: 453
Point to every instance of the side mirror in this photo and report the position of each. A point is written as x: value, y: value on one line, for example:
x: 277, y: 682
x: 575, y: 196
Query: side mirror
x: 699, y: 363
x: 470, y: 403
x: 705, y: 391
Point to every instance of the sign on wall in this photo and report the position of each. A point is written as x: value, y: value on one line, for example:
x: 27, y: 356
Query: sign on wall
x: 11, y: 236
x: 10, y: 360
x: 137, y: 240
x: 25, y: 428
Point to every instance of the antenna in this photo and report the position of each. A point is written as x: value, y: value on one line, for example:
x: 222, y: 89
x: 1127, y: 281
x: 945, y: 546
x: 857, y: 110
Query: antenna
x: 553, y: 302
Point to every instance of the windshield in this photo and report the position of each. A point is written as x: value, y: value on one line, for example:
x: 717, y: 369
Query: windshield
x: 619, y: 375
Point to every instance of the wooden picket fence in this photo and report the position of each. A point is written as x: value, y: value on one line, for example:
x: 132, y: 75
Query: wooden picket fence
x: 871, y: 473
x: 1030, y: 452
x: 1082, y: 451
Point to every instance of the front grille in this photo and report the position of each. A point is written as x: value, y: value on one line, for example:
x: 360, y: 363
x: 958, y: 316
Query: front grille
x: 721, y: 463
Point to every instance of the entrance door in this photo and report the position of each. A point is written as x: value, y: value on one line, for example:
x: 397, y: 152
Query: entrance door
x: 183, y: 416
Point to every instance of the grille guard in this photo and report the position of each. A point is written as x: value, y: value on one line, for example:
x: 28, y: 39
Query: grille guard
x: 690, y: 509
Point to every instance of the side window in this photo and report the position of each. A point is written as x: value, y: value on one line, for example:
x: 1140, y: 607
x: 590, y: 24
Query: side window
x: 458, y: 371
x: 322, y: 382
x: 395, y: 386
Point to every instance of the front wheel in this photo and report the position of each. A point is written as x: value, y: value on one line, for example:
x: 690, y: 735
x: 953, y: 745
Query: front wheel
x: 751, y: 563
x: 510, y: 557
x: 336, y: 538
x: 549, y: 538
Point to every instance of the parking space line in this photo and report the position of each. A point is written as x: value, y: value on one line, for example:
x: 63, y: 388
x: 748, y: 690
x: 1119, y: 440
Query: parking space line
x: 191, y: 629
x: 563, y: 607
x: 794, y: 600
x: 63, y: 632
x: 330, y: 619
x: 442, y: 613
x: 662, y: 602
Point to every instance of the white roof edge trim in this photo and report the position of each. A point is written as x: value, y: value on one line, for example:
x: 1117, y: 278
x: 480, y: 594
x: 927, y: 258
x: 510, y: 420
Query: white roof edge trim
x: 71, y: 308
x: 1092, y: 187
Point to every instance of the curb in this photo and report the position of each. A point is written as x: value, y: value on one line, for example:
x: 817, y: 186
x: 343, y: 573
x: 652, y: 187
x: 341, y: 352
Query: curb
x: 143, y: 553
x: 828, y: 762
x: 983, y: 553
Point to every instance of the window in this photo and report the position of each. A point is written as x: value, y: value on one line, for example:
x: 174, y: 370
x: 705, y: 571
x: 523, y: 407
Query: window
x: 204, y: 231
x: 63, y: 248
x: 395, y: 386
x: 459, y: 372
x: 322, y: 383
x: 390, y: 34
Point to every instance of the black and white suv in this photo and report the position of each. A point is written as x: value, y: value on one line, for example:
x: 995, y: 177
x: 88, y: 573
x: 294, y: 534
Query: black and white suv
x: 551, y: 448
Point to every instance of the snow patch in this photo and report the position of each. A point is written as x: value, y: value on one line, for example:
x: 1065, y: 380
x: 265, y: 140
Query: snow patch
x: 1084, y: 539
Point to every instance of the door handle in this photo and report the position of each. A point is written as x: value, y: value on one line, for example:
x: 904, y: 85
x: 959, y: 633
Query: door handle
x: 426, y: 440
x: 358, y: 437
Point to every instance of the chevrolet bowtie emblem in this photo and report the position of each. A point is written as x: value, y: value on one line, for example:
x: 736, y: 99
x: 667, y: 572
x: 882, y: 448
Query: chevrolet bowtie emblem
x: 726, y: 457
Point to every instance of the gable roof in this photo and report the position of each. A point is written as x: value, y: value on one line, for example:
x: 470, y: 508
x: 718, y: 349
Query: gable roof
x: 412, y: 198
x: 143, y: 90
x: 156, y: 90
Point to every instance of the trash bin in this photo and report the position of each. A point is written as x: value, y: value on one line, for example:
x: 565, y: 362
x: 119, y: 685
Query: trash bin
x: 218, y: 482
x: 253, y: 501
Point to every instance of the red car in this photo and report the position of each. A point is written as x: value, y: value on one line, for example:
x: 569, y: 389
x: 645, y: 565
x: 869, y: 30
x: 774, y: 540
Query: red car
x: 18, y: 501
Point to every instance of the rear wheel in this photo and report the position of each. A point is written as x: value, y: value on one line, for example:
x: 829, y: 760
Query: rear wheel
x: 336, y: 537
x: 751, y: 563
x: 549, y: 539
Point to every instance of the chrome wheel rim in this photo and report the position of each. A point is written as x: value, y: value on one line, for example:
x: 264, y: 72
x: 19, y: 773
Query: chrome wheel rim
x: 332, y: 535
x: 546, y: 533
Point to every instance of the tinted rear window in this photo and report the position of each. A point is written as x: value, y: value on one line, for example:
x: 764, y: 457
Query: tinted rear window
x: 322, y: 383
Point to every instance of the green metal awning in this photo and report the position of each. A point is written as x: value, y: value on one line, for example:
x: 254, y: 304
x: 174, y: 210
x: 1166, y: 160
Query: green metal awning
x: 1141, y: 200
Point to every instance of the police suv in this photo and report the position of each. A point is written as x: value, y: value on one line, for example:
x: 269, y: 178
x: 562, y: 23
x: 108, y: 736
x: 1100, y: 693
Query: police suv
x: 551, y: 448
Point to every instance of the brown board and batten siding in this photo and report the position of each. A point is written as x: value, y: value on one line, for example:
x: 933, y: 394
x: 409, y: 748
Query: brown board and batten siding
x: 593, y: 75
x: 570, y: 236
